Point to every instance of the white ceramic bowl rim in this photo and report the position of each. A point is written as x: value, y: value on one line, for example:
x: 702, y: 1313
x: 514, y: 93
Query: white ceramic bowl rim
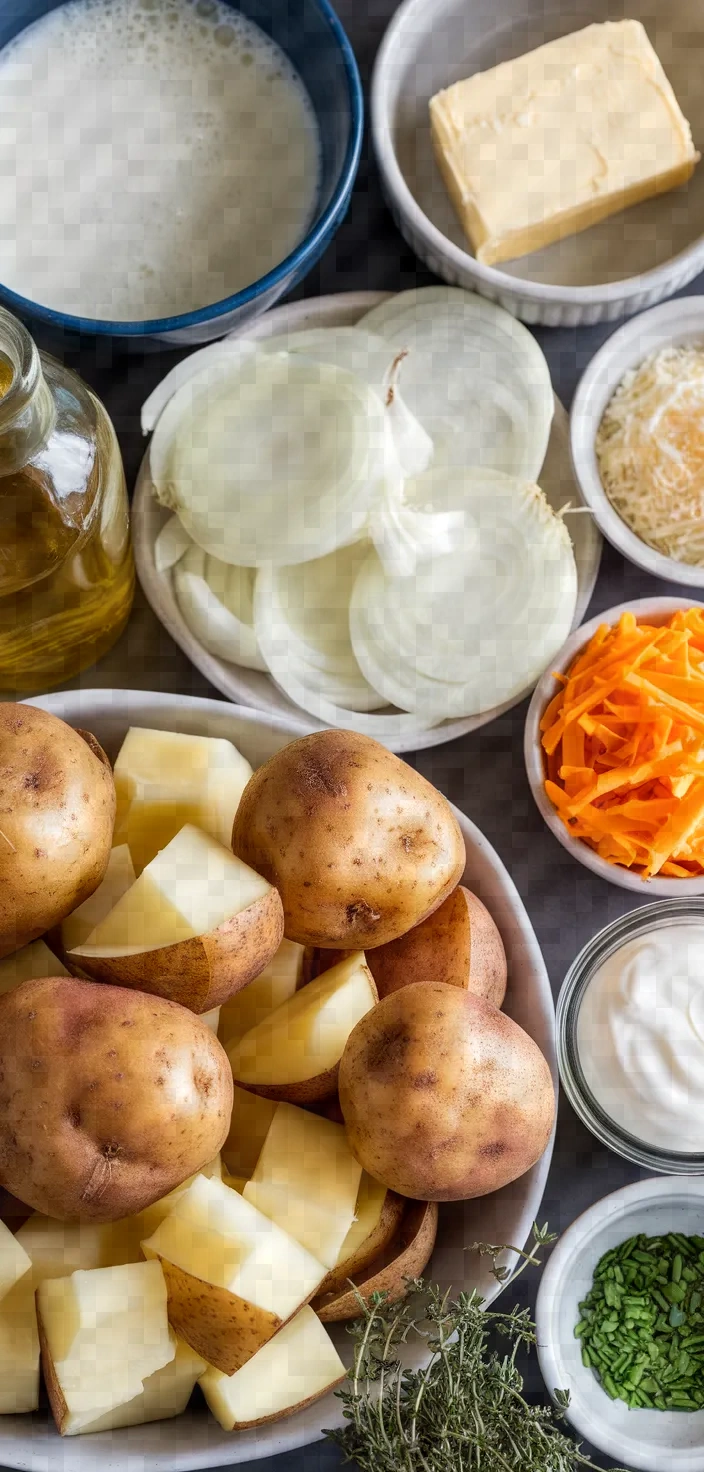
x: 251, y: 687
x: 658, y: 278
x: 636, y: 1450
x: 193, y: 1441
x: 670, y: 323
x: 657, y: 609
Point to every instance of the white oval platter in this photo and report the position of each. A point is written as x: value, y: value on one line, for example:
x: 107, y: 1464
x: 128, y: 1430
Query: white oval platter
x: 250, y: 687
x: 194, y: 1440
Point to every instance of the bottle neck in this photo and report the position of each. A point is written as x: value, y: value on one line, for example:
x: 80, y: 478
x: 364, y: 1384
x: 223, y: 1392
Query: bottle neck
x: 27, y: 410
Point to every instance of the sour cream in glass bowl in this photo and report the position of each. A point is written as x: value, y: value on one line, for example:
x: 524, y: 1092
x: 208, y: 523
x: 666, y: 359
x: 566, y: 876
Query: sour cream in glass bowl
x: 630, y: 1028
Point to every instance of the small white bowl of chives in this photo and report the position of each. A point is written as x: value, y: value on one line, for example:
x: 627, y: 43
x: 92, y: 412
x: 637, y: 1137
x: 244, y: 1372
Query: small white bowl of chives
x: 617, y: 1324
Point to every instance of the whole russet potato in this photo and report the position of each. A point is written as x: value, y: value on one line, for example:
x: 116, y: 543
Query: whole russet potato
x: 459, y: 944
x: 443, y: 1096
x: 108, y: 1098
x: 359, y: 846
x: 57, y: 809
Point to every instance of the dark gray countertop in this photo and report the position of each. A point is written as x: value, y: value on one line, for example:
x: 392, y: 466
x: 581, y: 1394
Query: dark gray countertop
x: 483, y: 773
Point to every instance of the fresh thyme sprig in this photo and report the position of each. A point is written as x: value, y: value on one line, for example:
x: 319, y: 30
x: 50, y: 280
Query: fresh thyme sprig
x: 464, y: 1411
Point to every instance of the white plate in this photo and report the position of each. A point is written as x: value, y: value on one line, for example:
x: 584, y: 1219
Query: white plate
x: 195, y: 1440
x: 653, y: 1441
x: 674, y: 324
x: 626, y: 263
x: 249, y: 687
x: 648, y: 611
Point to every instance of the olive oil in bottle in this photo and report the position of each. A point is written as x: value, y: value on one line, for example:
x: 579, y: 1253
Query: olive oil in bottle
x: 66, y: 569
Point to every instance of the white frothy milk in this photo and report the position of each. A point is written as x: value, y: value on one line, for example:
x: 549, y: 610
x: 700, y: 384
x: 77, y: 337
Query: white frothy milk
x: 155, y: 156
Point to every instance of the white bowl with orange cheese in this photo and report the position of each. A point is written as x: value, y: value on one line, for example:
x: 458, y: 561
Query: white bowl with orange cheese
x: 588, y: 817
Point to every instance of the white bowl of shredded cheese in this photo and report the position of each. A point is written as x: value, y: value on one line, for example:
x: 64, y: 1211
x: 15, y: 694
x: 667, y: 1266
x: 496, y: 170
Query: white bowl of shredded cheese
x: 637, y: 440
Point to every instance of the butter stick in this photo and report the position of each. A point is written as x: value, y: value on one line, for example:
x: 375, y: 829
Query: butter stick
x: 550, y: 143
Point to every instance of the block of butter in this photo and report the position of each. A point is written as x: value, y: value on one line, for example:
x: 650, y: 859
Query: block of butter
x: 550, y: 143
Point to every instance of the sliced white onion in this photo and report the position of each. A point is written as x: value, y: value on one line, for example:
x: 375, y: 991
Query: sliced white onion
x: 214, y: 600
x: 171, y: 544
x: 353, y: 349
x: 404, y: 536
x: 302, y: 623
x: 269, y: 457
x: 475, y: 378
x: 477, y: 627
x: 226, y: 349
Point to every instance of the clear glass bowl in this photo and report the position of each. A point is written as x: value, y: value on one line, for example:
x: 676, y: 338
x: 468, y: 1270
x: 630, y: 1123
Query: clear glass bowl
x: 637, y: 922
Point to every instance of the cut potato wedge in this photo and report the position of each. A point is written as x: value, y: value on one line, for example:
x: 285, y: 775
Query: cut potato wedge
x: 307, y: 1181
x: 458, y: 944
x: 295, y: 1052
x: 195, y: 927
x: 276, y: 983
x: 294, y: 1368
x: 250, y: 1124
x: 378, y: 1216
x: 233, y: 1277
x: 14, y: 1261
x: 166, y: 1393
x: 102, y: 1334
x: 405, y: 1258
x: 57, y: 1249
x: 32, y: 961
x: 19, y: 1349
x: 164, y: 780
x: 211, y: 1019
x: 119, y: 877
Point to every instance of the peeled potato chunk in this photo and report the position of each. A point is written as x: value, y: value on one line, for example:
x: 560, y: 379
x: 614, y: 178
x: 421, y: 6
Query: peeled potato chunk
x: 233, y: 1276
x: 377, y: 1218
x: 19, y: 1349
x: 166, y: 1393
x: 274, y: 985
x: 307, y: 1180
x: 164, y: 780
x: 25, y: 965
x: 102, y: 1333
x: 251, y: 1119
x: 119, y: 877
x: 196, y: 926
x: 295, y: 1052
x: 14, y: 1260
x: 294, y: 1368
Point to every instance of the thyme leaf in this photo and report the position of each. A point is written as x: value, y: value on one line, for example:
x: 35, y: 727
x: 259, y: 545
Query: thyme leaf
x: 464, y: 1410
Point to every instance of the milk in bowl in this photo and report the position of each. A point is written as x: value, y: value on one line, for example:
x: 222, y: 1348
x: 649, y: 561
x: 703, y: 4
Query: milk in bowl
x: 156, y: 156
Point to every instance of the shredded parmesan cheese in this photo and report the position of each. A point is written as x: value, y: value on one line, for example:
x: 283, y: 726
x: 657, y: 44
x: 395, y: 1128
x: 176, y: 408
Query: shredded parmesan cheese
x: 650, y: 450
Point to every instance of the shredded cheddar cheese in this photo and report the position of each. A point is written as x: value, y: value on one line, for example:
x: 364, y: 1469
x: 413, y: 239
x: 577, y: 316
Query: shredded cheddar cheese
x: 624, y: 745
x: 650, y: 451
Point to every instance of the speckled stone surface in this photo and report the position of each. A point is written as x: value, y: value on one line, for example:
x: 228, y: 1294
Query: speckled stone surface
x: 482, y: 773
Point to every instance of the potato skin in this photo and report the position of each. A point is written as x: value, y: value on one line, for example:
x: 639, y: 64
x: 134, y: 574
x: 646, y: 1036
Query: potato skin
x: 108, y: 1098
x: 57, y: 809
x: 359, y: 846
x: 203, y: 972
x: 444, y: 1097
x: 458, y: 943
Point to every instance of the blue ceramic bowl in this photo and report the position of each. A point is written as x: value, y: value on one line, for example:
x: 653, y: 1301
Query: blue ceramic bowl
x: 312, y: 37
